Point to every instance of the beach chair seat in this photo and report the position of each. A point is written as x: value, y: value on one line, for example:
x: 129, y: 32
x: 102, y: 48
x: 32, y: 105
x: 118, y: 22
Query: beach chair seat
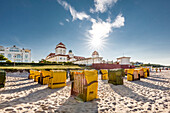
x: 72, y: 73
x: 146, y: 72
x: 57, y: 79
x: 132, y: 74
x: 116, y: 76
x: 141, y: 73
x: 44, y: 77
x: 85, y: 85
x: 31, y: 74
x: 2, y: 78
x: 37, y: 76
x: 104, y: 74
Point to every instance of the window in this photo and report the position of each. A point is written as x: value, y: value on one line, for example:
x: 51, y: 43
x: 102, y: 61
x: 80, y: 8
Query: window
x: 18, y: 56
x: 60, y: 58
x: 14, y: 49
x: 9, y: 56
x: 26, y: 56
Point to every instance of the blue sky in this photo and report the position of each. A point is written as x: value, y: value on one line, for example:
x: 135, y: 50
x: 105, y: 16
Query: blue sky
x: 138, y: 28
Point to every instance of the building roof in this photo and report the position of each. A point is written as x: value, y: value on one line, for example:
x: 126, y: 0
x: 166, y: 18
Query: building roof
x: 95, y: 53
x: 60, y: 45
x: 51, y: 55
x: 123, y: 57
x: 79, y: 57
x: 70, y: 51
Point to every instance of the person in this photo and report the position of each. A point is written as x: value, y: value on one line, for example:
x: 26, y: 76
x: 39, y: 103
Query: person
x: 156, y: 70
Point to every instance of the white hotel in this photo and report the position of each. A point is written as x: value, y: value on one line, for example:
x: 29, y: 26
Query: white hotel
x: 61, y: 56
x: 16, y: 54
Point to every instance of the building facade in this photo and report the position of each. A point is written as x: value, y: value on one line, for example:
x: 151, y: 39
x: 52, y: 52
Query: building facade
x: 124, y: 60
x: 61, y: 56
x: 16, y: 54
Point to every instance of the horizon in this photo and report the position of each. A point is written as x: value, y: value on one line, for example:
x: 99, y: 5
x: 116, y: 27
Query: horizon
x: 137, y: 29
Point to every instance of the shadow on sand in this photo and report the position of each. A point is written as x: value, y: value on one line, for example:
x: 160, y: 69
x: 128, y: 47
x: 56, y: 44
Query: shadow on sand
x: 125, y: 91
x: 9, y: 91
x: 32, y: 97
x: 71, y: 104
x: 149, y: 85
x: 156, y: 80
x: 20, y: 84
x: 25, y: 79
x: 156, y: 76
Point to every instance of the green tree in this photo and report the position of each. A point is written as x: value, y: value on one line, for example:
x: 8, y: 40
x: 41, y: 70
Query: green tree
x: 8, y: 61
x: 3, y: 58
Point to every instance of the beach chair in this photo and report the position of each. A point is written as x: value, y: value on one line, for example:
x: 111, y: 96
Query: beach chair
x: 146, y: 72
x: 57, y: 79
x: 37, y: 76
x: 2, y: 78
x: 125, y: 71
x: 132, y: 74
x: 72, y: 73
x: 104, y: 74
x: 85, y: 85
x: 44, y: 77
x: 32, y: 74
x: 141, y: 73
x: 116, y: 76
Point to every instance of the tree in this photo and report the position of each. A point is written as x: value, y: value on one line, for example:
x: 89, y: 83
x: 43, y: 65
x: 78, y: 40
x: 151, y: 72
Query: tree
x: 3, y: 58
x: 8, y: 61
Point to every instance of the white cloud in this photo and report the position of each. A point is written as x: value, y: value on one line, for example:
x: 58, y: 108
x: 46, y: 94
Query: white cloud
x: 76, y: 15
x: 61, y: 23
x: 119, y: 21
x: 67, y: 20
x: 102, y: 5
x: 101, y: 29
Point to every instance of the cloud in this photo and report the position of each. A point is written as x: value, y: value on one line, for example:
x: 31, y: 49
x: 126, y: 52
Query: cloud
x: 76, y: 15
x: 119, y: 21
x: 101, y: 29
x: 61, y: 23
x: 102, y: 5
x: 67, y: 20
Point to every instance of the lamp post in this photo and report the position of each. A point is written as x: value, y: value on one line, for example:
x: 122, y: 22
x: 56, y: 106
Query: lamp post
x: 14, y: 60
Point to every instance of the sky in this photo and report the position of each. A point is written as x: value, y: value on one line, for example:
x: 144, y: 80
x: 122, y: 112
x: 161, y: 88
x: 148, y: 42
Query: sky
x: 139, y: 29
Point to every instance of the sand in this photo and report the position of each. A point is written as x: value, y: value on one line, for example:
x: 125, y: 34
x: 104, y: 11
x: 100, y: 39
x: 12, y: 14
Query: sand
x: 149, y: 95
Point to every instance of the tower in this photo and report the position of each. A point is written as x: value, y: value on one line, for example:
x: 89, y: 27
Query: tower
x: 60, y: 49
x: 70, y: 53
x: 95, y: 54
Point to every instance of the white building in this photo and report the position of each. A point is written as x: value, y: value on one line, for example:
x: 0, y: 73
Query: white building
x: 61, y: 56
x: 124, y: 60
x: 89, y: 61
x: 16, y: 54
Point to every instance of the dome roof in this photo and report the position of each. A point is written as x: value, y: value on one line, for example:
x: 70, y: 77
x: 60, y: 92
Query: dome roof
x: 95, y: 53
x: 70, y: 51
x: 61, y: 44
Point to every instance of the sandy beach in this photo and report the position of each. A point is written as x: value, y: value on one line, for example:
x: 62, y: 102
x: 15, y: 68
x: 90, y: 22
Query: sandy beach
x: 149, y: 95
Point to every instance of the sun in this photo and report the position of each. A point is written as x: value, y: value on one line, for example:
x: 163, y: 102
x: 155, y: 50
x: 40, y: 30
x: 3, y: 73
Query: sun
x: 96, y: 43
